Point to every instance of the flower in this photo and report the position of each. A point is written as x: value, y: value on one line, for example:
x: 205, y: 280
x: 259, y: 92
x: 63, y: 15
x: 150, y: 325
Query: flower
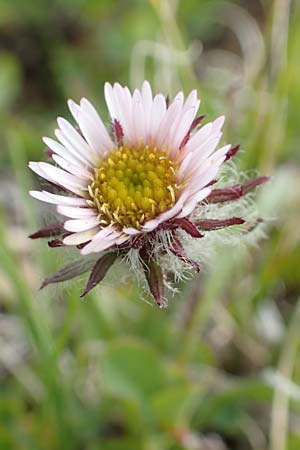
x: 136, y: 189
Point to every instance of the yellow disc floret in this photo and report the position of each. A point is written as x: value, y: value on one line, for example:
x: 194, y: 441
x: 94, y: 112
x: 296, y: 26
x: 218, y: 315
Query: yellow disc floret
x: 133, y: 185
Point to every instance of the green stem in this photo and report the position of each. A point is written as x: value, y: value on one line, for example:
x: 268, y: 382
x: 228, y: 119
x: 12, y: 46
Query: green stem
x: 280, y: 407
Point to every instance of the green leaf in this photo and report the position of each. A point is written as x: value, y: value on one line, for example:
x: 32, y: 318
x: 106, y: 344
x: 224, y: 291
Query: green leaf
x: 173, y: 405
x: 10, y: 80
x: 132, y: 369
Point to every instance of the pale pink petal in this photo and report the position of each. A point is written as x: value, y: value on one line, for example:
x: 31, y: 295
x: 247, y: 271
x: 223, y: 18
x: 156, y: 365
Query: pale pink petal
x: 87, y: 160
x: 92, y: 128
x: 202, y: 179
x: 147, y: 104
x: 220, y: 154
x: 77, y: 225
x: 198, y: 138
x: 55, y: 199
x: 183, y: 166
x: 158, y: 111
x: 93, y: 135
x: 110, y: 230
x: 169, y: 118
x: 207, y: 133
x: 77, y: 213
x: 152, y: 224
x: 124, y: 106
x: 180, y: 131
x: 98, y: 247
x: 198, y: 165
x: 107, y: 142
x: 130, y: 230
x: 81, y: 237
x: 36, y: 168
x: 105, y: 238
x: 78, y: 171
x: 62, y: 151
x: 183, y: 122
x: 138, y: 119
x: 192, y: 202
x: 45, y: 173
x: 191, y: 102
x: 207, y: 148
x: 75, y: 139
x: 110, y: 100
x: 199, y: 156
x: 119, y: 103
x: 218, y: 123
x: 58, y: 176
x: 74, y: 108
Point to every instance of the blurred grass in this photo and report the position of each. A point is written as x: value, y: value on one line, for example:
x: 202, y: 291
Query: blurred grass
x: 218, y: 369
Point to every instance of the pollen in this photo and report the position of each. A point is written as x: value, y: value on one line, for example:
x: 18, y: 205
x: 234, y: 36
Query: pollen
x: 133, y: 185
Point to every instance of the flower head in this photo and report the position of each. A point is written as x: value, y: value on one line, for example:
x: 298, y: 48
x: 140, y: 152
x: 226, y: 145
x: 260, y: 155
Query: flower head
x: 122, y: 190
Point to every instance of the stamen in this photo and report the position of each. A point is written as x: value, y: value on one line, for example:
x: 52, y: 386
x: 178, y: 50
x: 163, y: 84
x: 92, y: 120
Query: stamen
x: 171, y: 190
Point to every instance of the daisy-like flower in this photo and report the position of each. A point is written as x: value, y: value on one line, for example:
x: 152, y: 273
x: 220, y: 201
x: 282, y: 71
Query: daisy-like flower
x: 135, y: 190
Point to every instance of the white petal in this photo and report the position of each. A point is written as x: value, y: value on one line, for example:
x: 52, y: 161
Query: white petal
x: 92, y: 128
x: 183, y: 122
x: 199, y: 138
x: 44, y: 172
x: 58, y: 176
x: 218, y: 123
x: 138, y: 119
x: 202, y: 179
x: 152, y: 224
x: 198, y: 162
x: 130, y: 230
x: 79, y: 172
x: 74, y: 137
x: 77, y: 225
x: 74, y: 108
x: 95, y: 137
x: 81, y: 237
x: 207, y: 148
x: 169, y: 118
x: 193, y: 201
x: 107, y: 142
x: 116, y: 97
x: 183, y: 167
x: 86, y: 111
x: 87, y: 160
x: 180, y: 131
x: 158, y: 111
x: 77, y: 213
x: 35, y: 167
x: 110, y: 100
x: 98, y: 247
x: 199, y: 156
x: 123, y: 107
x: 207, y: 133
x: 191, y: 101
x: 220, y: 153
x: 55, y: 199
x: 104, y: 239
x: 61, y: 151
x: 147, y: 104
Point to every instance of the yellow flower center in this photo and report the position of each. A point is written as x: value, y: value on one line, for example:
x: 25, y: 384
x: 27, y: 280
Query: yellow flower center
x: 133, y: 185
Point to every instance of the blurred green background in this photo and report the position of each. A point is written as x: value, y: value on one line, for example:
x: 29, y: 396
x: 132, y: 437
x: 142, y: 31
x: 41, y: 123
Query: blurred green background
x: 219, y: 369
